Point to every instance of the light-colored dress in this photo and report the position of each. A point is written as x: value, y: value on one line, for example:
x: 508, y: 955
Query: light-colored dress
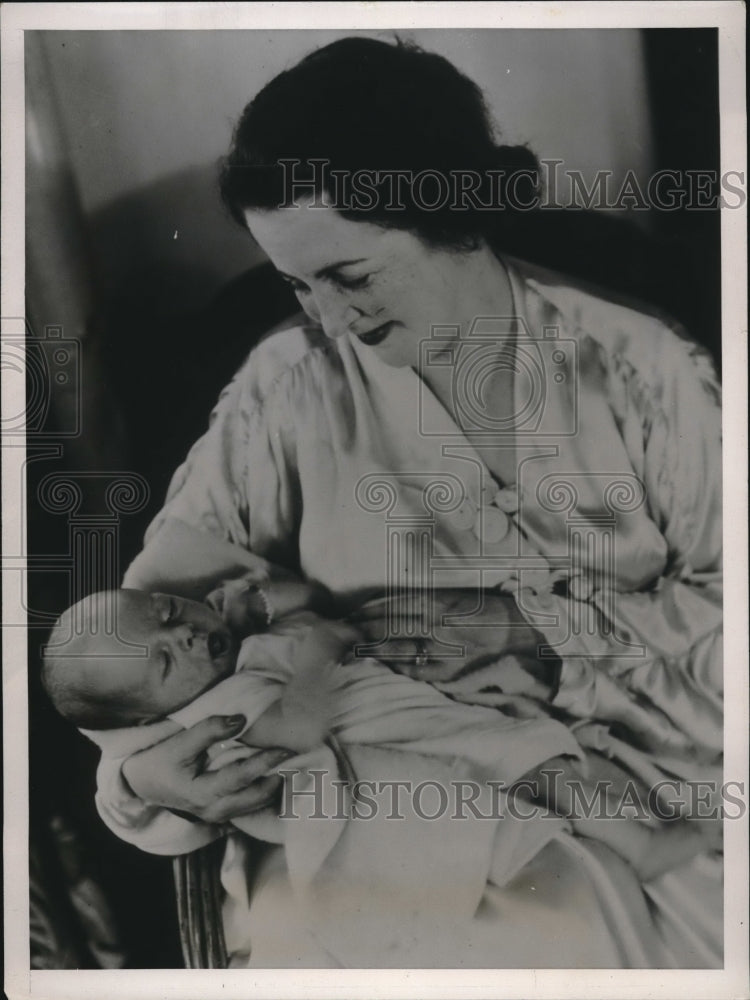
x: 392, y: 729
x: 322, y: 458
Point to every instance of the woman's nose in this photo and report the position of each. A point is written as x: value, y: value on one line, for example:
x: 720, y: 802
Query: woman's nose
x: 335, y: 312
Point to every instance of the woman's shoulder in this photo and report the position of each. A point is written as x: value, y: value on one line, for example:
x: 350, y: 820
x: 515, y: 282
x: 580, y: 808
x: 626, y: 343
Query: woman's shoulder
x: 621, y: 325
x: 629, y: 339
x: 296, y: 348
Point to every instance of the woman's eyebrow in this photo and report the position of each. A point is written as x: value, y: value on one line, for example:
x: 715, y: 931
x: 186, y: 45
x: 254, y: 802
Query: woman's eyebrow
x: 328, y: 270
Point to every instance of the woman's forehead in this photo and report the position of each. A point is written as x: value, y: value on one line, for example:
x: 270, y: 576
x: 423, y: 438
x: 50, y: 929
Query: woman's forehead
x: 306, y: 239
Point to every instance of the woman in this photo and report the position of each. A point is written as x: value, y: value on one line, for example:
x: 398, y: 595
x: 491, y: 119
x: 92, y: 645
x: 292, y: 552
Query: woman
x: 490, y: 427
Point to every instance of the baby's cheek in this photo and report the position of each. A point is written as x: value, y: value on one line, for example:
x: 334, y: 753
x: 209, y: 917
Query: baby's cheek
x: 194, y: 678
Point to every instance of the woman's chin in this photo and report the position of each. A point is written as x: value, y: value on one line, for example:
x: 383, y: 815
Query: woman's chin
x: 387, y: 342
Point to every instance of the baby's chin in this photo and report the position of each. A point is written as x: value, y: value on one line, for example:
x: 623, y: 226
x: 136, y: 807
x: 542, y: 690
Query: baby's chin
x: 217, y: 666
x: 216, y: 670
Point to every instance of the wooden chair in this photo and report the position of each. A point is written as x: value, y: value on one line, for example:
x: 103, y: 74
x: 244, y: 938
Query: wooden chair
x: 199, y: 897
x: 199, y: 891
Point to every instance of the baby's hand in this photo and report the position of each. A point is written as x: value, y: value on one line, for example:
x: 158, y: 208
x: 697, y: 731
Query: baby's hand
x: 243, y: 604
x: 254, y: 601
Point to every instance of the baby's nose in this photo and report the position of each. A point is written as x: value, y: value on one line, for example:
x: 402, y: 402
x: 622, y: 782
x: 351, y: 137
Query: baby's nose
x: 187, y: 636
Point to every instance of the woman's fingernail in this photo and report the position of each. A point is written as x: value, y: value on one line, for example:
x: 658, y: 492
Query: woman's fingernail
x: 234, y: 720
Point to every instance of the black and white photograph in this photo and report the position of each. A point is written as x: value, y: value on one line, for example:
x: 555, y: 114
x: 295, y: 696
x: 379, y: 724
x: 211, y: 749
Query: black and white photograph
x: 374, y: 423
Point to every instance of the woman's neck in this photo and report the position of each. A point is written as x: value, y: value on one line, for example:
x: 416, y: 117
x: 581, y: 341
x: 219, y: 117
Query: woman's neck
x: 483, y: 289
x: 488, y: 296
x: 483, y: 292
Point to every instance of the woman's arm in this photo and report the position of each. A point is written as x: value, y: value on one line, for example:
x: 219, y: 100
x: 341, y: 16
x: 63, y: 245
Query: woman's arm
x: 671, y: 425
x: 206, y: 532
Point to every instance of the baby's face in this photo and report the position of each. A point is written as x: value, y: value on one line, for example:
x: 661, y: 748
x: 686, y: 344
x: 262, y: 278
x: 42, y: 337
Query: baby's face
x: 188, y: 649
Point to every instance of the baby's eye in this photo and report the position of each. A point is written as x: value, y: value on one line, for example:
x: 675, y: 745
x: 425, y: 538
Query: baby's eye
x: 168, y: 611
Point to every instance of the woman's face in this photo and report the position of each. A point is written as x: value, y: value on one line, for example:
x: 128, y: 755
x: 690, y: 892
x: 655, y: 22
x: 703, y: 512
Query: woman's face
x: 384, y: 286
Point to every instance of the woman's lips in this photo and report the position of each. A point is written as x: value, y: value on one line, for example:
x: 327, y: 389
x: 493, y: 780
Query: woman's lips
x: 376, y: 336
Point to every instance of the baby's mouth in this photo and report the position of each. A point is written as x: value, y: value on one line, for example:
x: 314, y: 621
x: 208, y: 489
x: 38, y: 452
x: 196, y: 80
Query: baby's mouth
x: 218, y: 644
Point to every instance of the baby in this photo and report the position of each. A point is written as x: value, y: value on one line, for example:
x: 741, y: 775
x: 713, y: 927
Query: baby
x: 256, y: 648
x: 127, y: 658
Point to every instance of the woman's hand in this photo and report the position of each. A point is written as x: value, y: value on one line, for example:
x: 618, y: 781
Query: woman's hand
x: 171, y: 774
x: 467, y: 628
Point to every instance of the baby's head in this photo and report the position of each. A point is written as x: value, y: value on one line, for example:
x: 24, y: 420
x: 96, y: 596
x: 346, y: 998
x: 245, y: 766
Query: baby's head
x: 98, y: 677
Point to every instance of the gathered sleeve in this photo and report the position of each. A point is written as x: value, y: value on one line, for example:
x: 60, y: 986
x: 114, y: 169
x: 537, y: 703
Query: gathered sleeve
x: 233, y: 503
x: 196, y: 540
x: 681, y: 419
x: 208, y: 490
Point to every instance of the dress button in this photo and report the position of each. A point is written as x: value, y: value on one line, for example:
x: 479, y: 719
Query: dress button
x: 507, y: 499
x: 491, y: 525
x: 546, y: 599
x: 492, y: 578
x: 537, y: 579
x: 210, y: 522
x: 464, y: 516
x: 580, y: 587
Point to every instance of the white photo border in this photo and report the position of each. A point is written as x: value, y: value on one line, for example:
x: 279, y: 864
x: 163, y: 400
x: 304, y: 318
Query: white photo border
x: 733, y: 980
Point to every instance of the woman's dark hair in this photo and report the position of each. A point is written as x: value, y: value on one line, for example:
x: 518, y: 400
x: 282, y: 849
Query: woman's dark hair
x: 348, y: 119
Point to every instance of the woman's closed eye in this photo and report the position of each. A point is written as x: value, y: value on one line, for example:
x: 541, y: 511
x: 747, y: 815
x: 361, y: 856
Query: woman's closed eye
x: 353, y: 283
x: 299, y: 287
x: 350, y: 284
